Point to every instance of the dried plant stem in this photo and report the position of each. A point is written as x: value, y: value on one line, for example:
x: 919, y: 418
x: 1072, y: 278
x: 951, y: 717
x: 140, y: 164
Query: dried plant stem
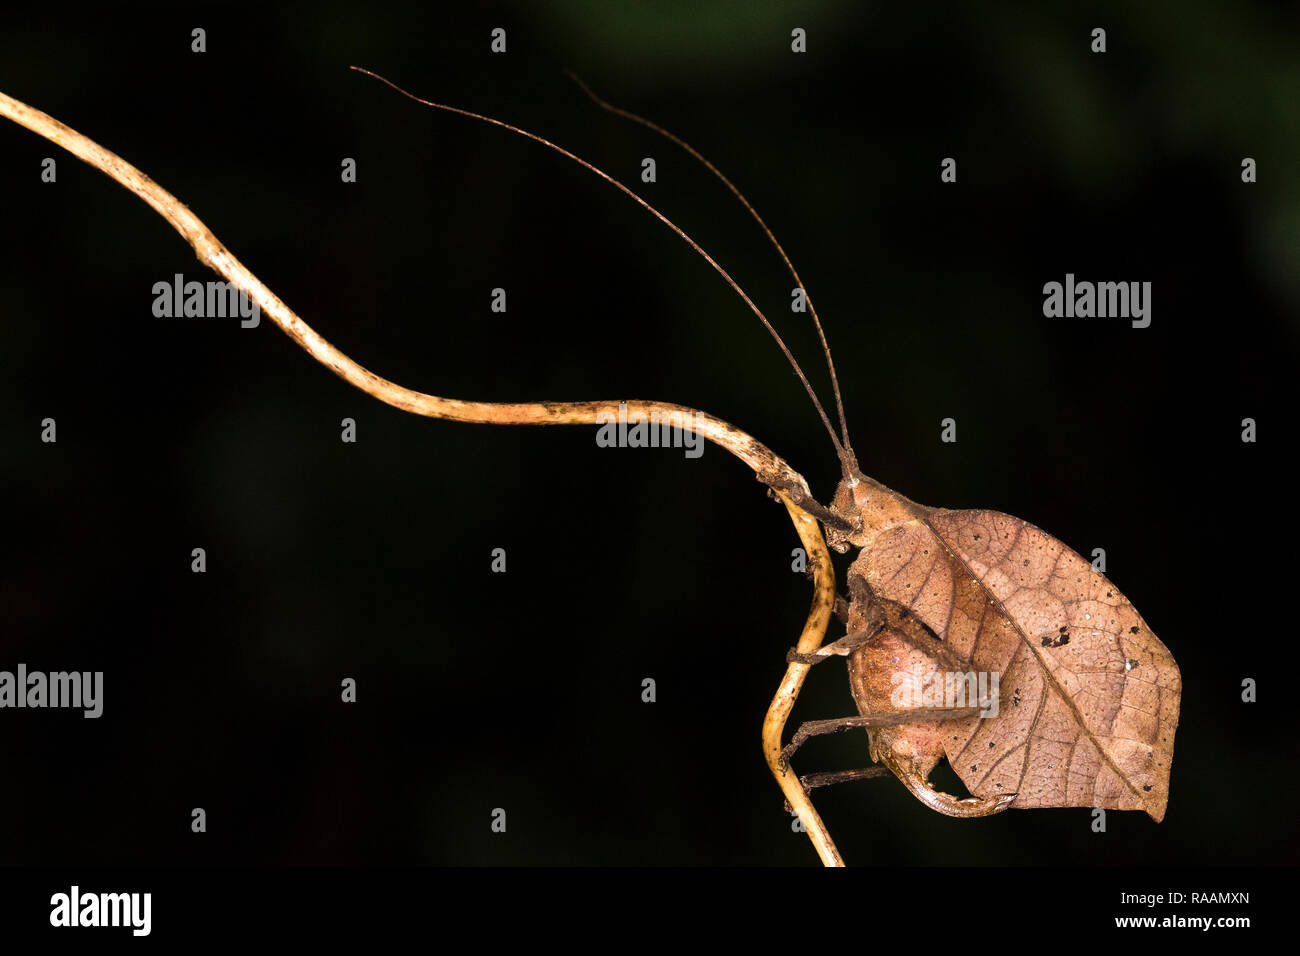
x: 814, y: 631
x: 216, y: 256
x: 767, y: 465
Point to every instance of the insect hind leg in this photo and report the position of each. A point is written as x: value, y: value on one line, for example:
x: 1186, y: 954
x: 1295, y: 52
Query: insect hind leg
x: 818, y: 728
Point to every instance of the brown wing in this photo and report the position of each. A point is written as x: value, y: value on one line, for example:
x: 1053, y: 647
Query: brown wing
x: 1089, y: 696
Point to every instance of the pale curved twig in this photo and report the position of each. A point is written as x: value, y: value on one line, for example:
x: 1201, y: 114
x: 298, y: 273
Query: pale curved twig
x: 814, y: 630
x: 216, y: 256
x: 749, y: 450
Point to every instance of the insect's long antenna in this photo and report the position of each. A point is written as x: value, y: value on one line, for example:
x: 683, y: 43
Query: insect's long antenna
x: 830, y: 363
x: 839, y: 449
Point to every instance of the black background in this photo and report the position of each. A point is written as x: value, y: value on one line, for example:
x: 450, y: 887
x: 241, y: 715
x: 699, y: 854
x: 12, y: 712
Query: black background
x: 522, y: 690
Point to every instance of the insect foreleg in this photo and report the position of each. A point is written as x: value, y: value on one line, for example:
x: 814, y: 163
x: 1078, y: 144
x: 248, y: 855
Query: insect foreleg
x: 829, y: 518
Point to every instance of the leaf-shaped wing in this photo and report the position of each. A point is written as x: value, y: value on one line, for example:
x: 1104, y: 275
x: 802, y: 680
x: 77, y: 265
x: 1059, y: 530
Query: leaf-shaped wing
x: 1089, y: 696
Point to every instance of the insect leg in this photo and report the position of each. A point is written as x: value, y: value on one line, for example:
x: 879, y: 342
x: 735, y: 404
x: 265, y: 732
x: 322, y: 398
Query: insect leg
x: 815, y: 728
x: 811, y: 781
x: 845, y: 646
x: 807, y: 502
x: 911, y: 715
